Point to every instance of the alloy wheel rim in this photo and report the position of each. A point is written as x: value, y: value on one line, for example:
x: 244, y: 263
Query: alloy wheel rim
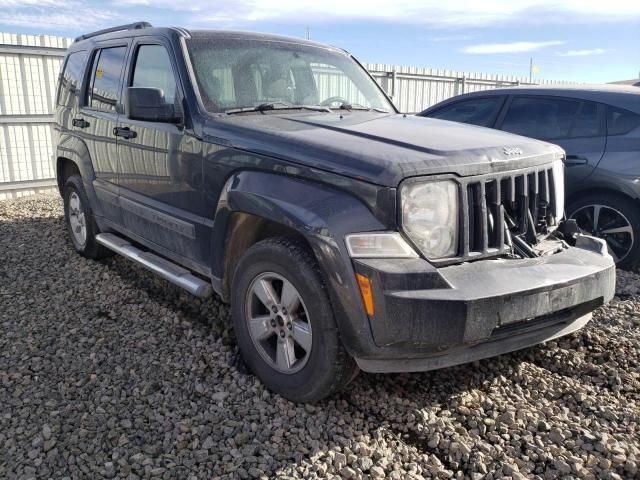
x: 609, y: 224
x: 77, y: 219
x: 278, y: 323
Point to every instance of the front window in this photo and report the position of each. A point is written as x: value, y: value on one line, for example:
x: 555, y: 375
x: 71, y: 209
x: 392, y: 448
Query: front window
x: 153, y: 70
x: 234, y: 74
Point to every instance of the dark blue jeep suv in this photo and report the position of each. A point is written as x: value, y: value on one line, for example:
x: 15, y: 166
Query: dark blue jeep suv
x: 276, y: 173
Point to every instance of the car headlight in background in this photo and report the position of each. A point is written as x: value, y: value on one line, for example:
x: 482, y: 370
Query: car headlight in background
x: 430, y: 212
x: 558, y: 184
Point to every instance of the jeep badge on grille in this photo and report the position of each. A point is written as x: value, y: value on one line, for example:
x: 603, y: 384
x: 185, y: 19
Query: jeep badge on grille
x: 509, y: 151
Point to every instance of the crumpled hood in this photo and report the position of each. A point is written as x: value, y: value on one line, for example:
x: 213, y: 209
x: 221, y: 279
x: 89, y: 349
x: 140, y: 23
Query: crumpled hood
x: 379, y: 148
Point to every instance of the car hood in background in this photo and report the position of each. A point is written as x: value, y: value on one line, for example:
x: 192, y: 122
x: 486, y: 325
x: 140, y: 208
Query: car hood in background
x: 379, y: 148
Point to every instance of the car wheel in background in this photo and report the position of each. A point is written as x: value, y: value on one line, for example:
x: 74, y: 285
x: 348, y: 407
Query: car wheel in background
x: 284, y: 322
x: 614, y: 219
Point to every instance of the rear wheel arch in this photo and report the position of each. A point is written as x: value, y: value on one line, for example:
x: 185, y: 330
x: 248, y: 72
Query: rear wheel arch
x: 621, y: 210
x: 65, y: 168
x: 577, y: 196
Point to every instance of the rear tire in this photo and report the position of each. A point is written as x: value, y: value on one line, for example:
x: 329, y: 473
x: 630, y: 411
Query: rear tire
x: 614, y: 213
x: 81, y: 224
x: 314, y: 364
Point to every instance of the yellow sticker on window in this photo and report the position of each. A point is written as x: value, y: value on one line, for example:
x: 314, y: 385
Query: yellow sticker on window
x: 99, y: 72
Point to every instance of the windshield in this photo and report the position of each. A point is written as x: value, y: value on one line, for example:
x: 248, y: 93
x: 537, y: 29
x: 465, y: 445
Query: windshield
x: 239, y: 73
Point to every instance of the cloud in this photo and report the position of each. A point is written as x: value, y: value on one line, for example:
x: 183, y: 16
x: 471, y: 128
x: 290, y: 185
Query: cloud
x: 453, y: 38
x: 457, y: 16
x: 31, y: 3
x: 57, y: 15
x: 513, y: 47
x: 436, y: 13
x: 581, y: 53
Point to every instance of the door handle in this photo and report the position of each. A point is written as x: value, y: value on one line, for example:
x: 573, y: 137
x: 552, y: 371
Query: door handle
x: 124, y: 132
x: 575, y: 160
x: 80, y: 123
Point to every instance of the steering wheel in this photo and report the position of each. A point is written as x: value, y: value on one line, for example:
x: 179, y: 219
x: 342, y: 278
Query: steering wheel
x: 331, y: 100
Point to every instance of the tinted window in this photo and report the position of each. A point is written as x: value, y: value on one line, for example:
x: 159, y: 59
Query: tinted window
x: 478, y: 111
x: 71, y: 79
x: 621, y: 121
x: 587, y: 121
x: 153, y: 70
x: 543, y: 118
x: 106, y: 78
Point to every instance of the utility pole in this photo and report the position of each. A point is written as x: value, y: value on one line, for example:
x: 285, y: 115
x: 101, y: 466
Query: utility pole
x: 530, y: 69
x: 308, y: 33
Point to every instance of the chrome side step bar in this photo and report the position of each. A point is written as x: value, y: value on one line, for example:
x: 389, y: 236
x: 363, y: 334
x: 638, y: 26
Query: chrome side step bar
x: 164, y: 268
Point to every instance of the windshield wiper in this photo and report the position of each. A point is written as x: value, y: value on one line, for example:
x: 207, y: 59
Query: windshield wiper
x: 277, y: 106
x: 357, y: 106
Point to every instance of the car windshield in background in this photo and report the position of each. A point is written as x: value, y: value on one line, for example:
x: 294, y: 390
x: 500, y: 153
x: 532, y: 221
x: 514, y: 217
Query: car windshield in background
x: 237, y: 74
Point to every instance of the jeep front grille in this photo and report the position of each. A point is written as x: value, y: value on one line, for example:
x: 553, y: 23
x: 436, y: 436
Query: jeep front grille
x: 505, y: 211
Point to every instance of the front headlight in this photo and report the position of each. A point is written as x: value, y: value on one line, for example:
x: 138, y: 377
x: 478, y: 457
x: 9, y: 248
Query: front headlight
x: 430, y: 213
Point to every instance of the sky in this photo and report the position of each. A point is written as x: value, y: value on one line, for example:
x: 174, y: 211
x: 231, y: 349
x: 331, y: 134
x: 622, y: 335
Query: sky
x: 575, y: 40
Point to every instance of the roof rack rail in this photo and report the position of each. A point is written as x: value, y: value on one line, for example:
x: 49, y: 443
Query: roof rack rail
x: 128, y: 26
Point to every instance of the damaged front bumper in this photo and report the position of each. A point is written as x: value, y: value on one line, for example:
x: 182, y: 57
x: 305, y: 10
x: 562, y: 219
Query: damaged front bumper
x: 428, y: 318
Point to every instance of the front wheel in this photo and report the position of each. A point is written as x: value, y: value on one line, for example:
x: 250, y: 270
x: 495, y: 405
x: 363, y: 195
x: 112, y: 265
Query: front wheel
x: 284, y: 322
x: 614, y: 219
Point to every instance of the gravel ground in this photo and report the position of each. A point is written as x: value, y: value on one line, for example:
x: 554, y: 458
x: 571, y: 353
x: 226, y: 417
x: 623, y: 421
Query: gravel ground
x: 109, y: 372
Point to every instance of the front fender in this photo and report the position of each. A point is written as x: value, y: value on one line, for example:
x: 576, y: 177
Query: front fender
x: 323, y: 215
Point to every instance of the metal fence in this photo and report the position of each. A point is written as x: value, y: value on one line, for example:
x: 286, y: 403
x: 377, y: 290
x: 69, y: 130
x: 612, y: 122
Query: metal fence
x: 413, y: 89
x: 29, y: 68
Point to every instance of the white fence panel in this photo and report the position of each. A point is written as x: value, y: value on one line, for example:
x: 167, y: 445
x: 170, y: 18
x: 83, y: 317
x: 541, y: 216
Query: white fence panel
x: 29, y: 68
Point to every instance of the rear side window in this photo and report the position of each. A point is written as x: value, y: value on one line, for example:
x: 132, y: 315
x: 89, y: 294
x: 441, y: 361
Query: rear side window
x: 106, y: 71
x: 542, y: 118
x: 71, y: 79
x: 621, y: 121
x: 479, y: 111
x: 153, y: 70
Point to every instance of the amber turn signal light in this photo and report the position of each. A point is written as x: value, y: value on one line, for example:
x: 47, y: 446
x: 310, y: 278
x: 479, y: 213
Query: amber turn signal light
x: 367, y: 294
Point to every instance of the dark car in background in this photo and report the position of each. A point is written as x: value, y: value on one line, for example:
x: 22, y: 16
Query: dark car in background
x: 598, y: 127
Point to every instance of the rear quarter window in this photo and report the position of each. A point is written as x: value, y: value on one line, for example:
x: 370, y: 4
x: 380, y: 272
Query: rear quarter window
x: 620, y: 121
x: 71, y: 79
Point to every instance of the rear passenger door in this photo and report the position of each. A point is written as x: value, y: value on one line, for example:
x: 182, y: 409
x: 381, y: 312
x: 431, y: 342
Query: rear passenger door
x: 97, y: 118
x: 160, y: 164
x: 577, y: 126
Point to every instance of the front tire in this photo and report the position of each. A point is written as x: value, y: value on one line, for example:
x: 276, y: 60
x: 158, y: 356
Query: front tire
x: 284, y: 322
x: 81, y: 225
x: 616, y: 220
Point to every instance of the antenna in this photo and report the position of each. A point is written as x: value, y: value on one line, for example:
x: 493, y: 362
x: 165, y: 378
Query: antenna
x: 308, y: 32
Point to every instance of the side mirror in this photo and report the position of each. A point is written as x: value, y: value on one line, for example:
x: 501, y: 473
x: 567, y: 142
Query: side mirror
x: 148, y: 104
